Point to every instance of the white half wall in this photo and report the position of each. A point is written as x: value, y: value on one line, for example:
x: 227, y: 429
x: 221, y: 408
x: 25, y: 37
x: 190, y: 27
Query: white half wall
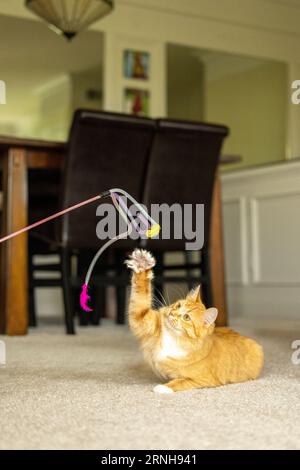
x: 261, y: 209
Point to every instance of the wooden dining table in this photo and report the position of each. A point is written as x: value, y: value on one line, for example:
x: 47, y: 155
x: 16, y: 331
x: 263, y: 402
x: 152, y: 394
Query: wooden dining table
x: 17, y: 156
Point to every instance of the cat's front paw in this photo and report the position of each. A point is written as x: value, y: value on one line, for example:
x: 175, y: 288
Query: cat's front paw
x: 162, y: 389
x: 140, y: 261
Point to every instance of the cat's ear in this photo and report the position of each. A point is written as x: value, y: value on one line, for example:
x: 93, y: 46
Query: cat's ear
x: 210, y: 316
x: 195, y: 294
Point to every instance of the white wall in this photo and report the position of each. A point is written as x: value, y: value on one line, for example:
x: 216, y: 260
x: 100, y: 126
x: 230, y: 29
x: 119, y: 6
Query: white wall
x: 58, y: 99
x: 84, y: 81
x: 55, y: 101
x: 252, y: 102
x: 262, y: 240
x: 185, y: 84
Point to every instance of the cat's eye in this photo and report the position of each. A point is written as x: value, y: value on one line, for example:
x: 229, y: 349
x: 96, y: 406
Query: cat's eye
x: 186, y: 317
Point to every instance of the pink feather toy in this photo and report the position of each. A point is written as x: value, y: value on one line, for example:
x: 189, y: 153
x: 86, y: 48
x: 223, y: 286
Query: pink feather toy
x: 84, y: 298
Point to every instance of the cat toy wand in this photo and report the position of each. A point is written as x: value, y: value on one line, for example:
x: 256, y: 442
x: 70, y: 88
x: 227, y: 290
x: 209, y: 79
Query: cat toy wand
x: 142, y: 222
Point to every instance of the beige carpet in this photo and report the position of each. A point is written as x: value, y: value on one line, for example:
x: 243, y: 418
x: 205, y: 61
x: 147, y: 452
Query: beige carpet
x: 92, y: 391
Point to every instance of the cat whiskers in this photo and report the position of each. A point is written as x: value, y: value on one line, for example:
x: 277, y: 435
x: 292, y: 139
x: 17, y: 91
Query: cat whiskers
x: 168, y: 298
x: 157, y: 302
x: 178, y: 290
x: 163, y: 300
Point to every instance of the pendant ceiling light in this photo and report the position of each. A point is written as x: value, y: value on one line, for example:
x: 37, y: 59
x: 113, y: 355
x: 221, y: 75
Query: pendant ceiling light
x: 68, y: 17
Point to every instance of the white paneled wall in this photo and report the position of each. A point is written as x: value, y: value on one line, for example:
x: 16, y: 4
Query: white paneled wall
x: 261, y: 213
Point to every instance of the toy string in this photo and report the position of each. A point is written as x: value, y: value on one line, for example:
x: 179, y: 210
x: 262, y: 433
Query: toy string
x: 51, y: 217
x: 121, y: 208
x: 143, y: 214
x: 110, y: 242
x: 149, y: 229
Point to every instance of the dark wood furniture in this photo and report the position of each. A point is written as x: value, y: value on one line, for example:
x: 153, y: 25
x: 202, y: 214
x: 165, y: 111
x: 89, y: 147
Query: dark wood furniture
x: 16, y: 157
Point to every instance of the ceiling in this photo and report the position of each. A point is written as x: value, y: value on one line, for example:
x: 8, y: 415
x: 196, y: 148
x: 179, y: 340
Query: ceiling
x: 31, y: 55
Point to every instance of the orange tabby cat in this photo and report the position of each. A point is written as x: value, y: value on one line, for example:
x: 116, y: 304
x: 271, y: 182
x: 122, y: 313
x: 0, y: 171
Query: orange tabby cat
x: 180, y: 341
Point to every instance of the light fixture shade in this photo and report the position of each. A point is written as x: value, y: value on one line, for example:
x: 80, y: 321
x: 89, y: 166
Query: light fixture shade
x: 70, y: 16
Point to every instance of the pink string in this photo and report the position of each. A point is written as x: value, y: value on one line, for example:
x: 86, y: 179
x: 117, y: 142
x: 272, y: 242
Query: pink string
x: 58, y: 214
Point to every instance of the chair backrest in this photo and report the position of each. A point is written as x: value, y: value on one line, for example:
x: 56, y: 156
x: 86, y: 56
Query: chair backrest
x: 181, y: 169
x: 43, y: 198
x: 106, y: 150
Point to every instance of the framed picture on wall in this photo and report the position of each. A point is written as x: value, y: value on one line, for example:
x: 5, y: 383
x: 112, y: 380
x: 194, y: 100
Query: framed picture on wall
x: 136, y: 102
x: 136, y: 64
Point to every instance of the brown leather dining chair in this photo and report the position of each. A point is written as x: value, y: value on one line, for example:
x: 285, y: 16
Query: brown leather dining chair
x: 159, y: 161
x: 106, y: 150
x: 182, y: 167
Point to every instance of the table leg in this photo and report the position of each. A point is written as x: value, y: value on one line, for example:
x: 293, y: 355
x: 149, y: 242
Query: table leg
x: 217, y: 256
x: 14, y: 275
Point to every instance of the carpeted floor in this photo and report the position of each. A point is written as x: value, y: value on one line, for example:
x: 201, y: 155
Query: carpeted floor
x: 93, y: 391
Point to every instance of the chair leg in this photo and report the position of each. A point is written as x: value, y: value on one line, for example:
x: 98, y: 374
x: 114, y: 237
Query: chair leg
x: 67, y: 291
x: 189, y: 259
x: 32, y: 319
x: 206, y: 286
x: 121, y: 305
x: 121, y: 289
x: 100, y: 305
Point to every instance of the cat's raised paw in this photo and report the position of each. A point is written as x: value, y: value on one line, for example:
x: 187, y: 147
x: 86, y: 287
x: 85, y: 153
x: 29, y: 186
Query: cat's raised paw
x: 162, y: 389
x: 140, y: 261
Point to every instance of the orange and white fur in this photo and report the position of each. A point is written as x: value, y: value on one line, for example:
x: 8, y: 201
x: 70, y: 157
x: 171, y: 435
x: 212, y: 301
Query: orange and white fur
x: 180, y: 341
